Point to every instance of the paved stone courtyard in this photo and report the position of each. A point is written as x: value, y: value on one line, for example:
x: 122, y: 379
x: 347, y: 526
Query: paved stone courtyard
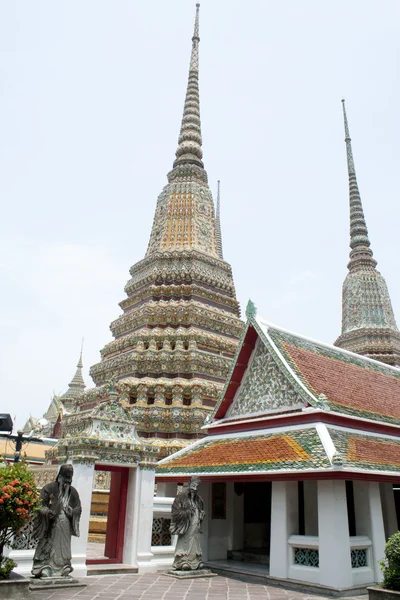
x: 156, y: 586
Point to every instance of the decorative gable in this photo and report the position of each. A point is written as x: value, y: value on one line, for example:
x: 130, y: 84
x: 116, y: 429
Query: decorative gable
x: 264, y: 386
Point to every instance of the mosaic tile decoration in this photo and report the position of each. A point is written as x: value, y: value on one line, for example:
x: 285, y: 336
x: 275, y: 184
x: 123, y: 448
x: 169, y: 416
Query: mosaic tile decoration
x: 265, y: 387
x: 366, y: 451
x: 293, y: 450
x: 352, y: 385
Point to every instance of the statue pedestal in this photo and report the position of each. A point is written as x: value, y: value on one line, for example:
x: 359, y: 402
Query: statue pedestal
x: 191, y: 574
x: 54, y: 583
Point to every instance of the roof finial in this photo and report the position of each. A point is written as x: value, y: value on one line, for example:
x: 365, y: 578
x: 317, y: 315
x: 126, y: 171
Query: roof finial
x: 189, y: 153
x: 361, y: 253
x: 251, y: 310
x: 218, y: 235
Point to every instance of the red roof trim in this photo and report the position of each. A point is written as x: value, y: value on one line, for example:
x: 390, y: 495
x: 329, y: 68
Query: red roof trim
x: 272, y: 421
x: 239, y: 370
x: 299, y: 476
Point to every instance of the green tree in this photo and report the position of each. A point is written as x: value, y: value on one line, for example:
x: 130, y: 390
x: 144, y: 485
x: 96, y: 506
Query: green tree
x: 391, y: 564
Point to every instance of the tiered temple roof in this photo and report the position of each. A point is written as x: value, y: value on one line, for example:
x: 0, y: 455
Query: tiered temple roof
x: 368, y: 323
x: 291, y: 405
x: 174, y: 343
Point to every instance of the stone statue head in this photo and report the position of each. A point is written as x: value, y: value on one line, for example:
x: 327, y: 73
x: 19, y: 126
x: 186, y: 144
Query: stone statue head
x: 65, y: 474
x: 194, y: 483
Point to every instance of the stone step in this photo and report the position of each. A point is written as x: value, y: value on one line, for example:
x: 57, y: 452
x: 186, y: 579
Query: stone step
x: 110, y: 569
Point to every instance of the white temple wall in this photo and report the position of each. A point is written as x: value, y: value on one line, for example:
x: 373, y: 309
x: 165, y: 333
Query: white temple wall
x: 220, y: 531
x: 167, y: 489
x: 388, y: 509
x: 83, y: 482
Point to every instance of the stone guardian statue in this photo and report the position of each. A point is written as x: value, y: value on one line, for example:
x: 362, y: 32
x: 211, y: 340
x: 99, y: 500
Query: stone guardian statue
x: 55, y: 523
x: 187, y: 515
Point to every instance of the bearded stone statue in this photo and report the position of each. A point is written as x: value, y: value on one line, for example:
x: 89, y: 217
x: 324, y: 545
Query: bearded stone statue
x: 55, y: 523
x: 187, y: 515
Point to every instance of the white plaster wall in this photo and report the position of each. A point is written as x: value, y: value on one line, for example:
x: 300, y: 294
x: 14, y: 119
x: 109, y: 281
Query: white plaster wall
x: 167, y: 489
x: 220, y: 531
x: 131, y: 521
x: 83, y: 482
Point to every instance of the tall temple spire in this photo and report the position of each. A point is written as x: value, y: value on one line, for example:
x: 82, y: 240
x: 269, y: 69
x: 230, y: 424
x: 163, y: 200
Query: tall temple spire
x: 361, y: 253
x: 218, y: 234
x: 368, y: 323
x: 189, y: 152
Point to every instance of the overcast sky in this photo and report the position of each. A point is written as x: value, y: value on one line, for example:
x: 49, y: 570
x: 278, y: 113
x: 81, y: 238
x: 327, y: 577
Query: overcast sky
x: 91, y: 97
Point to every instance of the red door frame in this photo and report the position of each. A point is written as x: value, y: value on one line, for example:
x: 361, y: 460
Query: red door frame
x: 121, y: 521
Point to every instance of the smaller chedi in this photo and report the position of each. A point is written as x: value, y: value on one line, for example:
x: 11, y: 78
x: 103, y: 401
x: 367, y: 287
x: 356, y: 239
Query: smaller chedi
x: 60, y: 404
x: 56, y: 522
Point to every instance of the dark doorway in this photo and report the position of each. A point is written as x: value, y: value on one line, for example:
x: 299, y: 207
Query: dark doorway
x: 257, y: 523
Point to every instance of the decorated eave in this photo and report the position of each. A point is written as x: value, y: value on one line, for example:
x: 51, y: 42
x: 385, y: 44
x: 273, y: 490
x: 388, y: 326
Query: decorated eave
x: 314, y: 451
x: 105, y: 434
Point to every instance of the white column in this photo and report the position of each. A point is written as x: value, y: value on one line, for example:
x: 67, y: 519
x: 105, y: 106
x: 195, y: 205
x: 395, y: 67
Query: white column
x: 139, y: 520
x: 83, y: 482
x: 284, y: 523
x: 369, y: 521
x: 389, y: 509
x: 377, y: 528
x: 334, y: 539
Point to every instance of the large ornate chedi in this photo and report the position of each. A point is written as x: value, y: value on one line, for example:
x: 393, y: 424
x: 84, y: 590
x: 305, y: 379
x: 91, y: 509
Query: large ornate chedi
x: 368, y: 323
x: 180, y: 325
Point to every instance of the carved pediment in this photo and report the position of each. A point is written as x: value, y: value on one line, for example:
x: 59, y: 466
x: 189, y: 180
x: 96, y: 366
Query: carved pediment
x: 264, y: 387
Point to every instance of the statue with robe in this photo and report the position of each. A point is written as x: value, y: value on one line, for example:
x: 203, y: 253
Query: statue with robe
x: 55, y: 523
x: 187, y: 515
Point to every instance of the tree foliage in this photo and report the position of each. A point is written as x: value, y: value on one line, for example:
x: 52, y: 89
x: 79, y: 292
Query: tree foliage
x: 19, y: 500
x: 391, y: 564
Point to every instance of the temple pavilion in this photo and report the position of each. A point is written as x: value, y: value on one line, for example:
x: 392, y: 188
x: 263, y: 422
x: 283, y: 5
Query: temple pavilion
x: 174, y: 343
x: 302, y: 458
